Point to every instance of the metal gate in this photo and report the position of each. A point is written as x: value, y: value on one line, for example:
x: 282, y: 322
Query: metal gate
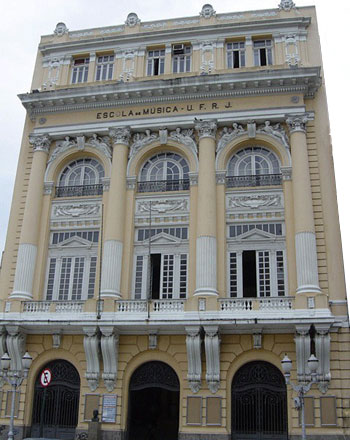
x: 154, y: 392
x: 259, y: 403
x: 60, y: 412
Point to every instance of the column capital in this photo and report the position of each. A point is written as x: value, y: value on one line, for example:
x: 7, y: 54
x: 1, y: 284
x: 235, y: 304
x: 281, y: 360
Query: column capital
x: 298, y: 122
x: 206, y: 128
x: 120, y: 135
x: 40, y: 142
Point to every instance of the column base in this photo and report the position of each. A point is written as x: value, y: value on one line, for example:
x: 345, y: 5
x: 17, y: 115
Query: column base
x: 21, y: 295
x: 206, y: 291
x: 308, y: 289
x: 111, y: 294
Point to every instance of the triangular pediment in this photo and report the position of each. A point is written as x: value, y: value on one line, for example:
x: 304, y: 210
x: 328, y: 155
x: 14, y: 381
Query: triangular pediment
x: 163, y: 238
x: 256, y: 234
x: 73, y: 242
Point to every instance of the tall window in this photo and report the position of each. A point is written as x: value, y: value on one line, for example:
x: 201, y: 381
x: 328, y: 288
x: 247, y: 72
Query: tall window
x: 235, y: 54
x: 72, y: 265
x: 262, y: 52
x: 81, y: 177
x: 181, y: 58
x: 104, y: 67
x: 163, y: 272
x: 164, y: 172
x: 253, y: 166
x: 155, y: 62
x: 257, y: 267
x: 80, y: 70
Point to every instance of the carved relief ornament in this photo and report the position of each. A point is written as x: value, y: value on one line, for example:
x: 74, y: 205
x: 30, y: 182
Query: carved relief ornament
x: 101, y: 144
x: 162, y: 206
x: 286, y: 5
x: 207, y: 11
x: 298, y: 122
x: 255, y: 201
x: 120, y: 135
x: 76, y: 210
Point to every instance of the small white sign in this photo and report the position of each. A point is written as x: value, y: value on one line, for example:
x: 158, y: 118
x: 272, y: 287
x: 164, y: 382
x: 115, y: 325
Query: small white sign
x: 45, y: 377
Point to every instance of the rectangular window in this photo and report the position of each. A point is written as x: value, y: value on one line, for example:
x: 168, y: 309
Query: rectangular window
x: 264, y: 273
x: 77, y: 282
x: 271, y: 228
x: 58, y: 237
x: 256, y: 273
x: 183, y: 276
x: 63, y: 291
x: 143, y: 234
x: 138, y: 277
x: 233, y: 274
x: 104, y: 67
x: 262, y: 52
x: 80, y: 70
x: 155, y: 62
x: 235, y: 55
x: 181, y: 58
x: 51, y: 279
x: 92, y: 277
x: 167, y: 276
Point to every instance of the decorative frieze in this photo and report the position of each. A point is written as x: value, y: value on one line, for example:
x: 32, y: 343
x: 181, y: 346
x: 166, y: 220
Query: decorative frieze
x: 40, y: 142
x: 162, y: 206
x: 255, y: 201
x: 207, y: 57
x: 212, y: 356
x: 109, y: 348
x: 74, y: 210
x: 206, y: 128
x: 193, y: 345
x: 120, y: 135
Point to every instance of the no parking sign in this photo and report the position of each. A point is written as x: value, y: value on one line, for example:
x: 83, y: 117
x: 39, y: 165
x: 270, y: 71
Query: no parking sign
x: 45, y: 377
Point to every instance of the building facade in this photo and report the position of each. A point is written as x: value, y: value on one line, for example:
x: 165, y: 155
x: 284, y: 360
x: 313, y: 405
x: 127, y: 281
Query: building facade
x: 174, y: 233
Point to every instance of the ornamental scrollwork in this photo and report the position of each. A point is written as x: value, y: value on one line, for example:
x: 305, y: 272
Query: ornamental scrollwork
x: 206, y: 128
x: 120, y: 135
x: 40, y: 142
x: 132, y: 19
x: 207, y: 11
x: 298, y: 122
x: 60, y: 29
x: 286, y: 5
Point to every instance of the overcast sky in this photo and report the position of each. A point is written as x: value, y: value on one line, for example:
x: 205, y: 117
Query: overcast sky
x: 23, y: 22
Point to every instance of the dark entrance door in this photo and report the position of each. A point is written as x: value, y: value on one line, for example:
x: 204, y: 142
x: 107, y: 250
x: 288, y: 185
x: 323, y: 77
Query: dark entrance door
x: 60, y: 415
x: 259, y: 403
x: 153, y: 403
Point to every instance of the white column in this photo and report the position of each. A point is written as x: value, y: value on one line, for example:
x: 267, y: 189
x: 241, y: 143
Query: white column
x: 27, y: 251
x: 305, y: 237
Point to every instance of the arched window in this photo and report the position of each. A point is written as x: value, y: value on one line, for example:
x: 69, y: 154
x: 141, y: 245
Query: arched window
x: 82, y: 177
x: 164, y: 172
x: 253, y: 166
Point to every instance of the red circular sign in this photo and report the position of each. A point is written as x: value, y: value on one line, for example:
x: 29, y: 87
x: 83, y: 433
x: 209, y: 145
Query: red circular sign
x: 45, y: 377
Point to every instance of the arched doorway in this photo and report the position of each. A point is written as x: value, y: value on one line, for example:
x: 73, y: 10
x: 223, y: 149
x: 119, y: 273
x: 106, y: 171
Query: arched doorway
x: 59, y: 414
x: 259, y: 403
x: 153, y: 403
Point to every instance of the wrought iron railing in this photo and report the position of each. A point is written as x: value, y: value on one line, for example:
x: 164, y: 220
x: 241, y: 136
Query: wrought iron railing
x: 163, y: 185
x: 253, y: 180
x: 79, y: 190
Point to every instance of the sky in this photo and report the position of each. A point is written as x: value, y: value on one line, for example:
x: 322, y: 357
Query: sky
x: 23, y: 22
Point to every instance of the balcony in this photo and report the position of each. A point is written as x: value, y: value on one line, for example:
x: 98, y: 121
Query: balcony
x: 253, y: 180
x: 156, y: 306
x: 254, y: 304
x: 163, y: 185
x: 79, y: 190
x: 52, y: 307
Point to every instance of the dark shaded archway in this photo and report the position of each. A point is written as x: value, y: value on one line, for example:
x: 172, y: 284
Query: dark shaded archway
x: 259, y: 403
x: 60, y: 412
x: 153, y: 403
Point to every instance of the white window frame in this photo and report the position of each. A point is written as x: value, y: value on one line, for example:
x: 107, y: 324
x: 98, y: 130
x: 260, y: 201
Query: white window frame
x: 266, y: 46
x: 231, y: 48
x: 104, y: 67
x: 86, y: 250
x: 271, y: 243
x: 176, y: 247
x: 80, y: 71
x: 152, y: 56
x: 181, y: 62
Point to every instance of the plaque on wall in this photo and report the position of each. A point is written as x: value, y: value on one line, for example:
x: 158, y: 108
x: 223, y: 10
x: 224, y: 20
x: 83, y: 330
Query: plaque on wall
x: 109, y: 408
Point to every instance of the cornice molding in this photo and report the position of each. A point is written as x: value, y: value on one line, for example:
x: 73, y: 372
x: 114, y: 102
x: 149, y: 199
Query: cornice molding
x: 305, y: 80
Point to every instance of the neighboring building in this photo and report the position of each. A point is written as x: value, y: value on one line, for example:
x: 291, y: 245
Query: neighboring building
x: 174, y: 232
